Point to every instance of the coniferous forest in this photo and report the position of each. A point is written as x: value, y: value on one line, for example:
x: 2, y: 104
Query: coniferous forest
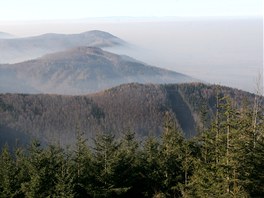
x: 224, y: 160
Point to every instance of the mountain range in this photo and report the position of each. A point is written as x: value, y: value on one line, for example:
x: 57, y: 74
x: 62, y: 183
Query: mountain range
x: 53, y: 86
x: 137, y: 107
x: 22, y: 49
x: 81, y: 70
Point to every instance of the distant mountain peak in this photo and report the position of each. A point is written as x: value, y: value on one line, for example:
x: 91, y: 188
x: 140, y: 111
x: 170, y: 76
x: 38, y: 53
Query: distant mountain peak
x: 18, y: 50
x: 99, y: 33
x: 85, y: 69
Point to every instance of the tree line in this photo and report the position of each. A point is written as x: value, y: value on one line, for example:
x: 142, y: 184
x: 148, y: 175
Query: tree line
x: 225, y: 160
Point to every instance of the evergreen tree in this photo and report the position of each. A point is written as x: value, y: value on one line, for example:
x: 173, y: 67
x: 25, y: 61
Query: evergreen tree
x: 127, y: 165
x: 82, y: 167
x: 150, y: 172
x: 8, y: 179
x: 225, y: 160
x: 217, y: 171
x: 42, y: 166
x: 251, y: 156
x: 64, y: 176
x: 34, y: 166
x: 104, y: 162
x: 172, y: 159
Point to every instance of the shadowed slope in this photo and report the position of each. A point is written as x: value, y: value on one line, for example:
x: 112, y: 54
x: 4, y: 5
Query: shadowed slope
x: 137, y: 107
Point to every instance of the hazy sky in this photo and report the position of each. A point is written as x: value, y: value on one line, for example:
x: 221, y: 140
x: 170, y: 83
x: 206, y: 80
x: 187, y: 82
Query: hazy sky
x: 223, y: 51
x: 75, y: 9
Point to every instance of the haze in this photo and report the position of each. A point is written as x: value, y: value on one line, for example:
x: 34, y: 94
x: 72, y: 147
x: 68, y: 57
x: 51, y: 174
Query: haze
x: 221, y: 50
x: 217, y: 41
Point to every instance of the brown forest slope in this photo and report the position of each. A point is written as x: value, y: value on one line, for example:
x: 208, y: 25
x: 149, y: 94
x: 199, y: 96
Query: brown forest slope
x: 137, y: 107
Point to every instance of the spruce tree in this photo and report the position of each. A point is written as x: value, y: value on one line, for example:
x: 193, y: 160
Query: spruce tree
x: 127, y: 165
x: 172, y: 157
x: 150, y: 173
x: 82, y: 166
x: 8, y: 183
x: 217, y: 171
x: 251, y: 156
x: 105, y: 157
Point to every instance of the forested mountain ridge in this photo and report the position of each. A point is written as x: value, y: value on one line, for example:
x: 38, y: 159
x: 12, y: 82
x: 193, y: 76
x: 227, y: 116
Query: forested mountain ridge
x: 224, y: 160
x: 81, y: 70
x: 137, y: 107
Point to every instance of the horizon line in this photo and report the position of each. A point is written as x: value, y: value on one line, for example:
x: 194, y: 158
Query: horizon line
x: 128, y: 18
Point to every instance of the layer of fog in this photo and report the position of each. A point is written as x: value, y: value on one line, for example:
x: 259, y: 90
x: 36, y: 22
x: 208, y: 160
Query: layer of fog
x: 223, y: 51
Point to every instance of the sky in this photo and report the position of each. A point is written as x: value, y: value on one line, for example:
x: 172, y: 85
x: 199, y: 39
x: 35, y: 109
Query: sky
x: 17, y: 10
x: 226, y: 52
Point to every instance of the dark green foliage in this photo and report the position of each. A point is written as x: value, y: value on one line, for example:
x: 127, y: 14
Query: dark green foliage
x: 48, y: 173
x: 150, y: 167
x: 127, y: 165
x: 225, y: 160
x: 8, y: 180
x: 172, y: 157
x: 104, y: 161
x: 97, y: 113
x: 81, y: 166
x: 229, y: 155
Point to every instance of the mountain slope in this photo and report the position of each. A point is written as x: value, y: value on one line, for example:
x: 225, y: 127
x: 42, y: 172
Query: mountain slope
x: 82, y: 70
x: 137, y: 107
x: 4, y: 35
x: 22, y: 49
x: 182, y: 112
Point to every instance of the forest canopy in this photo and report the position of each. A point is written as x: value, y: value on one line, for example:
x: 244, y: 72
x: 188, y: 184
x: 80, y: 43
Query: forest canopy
x: 225, y: 160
